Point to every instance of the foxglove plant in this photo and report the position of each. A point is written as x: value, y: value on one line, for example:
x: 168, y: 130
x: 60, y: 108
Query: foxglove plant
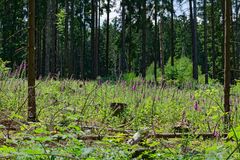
x: 134, y: 87
x: 196, y: 106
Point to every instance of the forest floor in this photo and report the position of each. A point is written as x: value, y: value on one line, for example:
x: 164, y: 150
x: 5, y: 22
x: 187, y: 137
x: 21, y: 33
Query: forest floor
x: 117, y: 120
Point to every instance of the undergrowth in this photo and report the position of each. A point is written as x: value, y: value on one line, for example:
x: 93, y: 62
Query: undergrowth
x: 67, y: 110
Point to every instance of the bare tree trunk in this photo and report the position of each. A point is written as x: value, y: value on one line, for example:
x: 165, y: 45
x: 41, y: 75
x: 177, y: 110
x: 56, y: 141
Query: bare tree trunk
x: 84, y: 47
x: 227, y: 46
x: 195, y: 54
x: 50, y: 56
x: 161, y: 59
x: 194, y: 38
x: 72, y: 70
x: 107, y: 37
x: 32, y: 116
x: 95, y: 57
x: 213, y: 39
x: 237, y: 51
x: 123, y: 40
x: 144, y: 40
x: 205, y: 41
x: 172, y: 34
x: 92, y: 33
x: 130, y: 43
x: 156, y: 40
x: 43, y: 72
x: 66, y: 62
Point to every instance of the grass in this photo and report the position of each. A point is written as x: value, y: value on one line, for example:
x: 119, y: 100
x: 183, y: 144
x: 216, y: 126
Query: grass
x: 68, y: 108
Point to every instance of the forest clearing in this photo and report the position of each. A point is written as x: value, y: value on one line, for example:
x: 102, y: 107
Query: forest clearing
x: 76, y: 121
x: 119, y: 79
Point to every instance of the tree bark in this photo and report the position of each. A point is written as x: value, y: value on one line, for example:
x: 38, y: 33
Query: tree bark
x: 194, y: 38
x: 66, y: 58
x: 213, y: 40
x: 227, y: 46
x: 130, y: 43
x: 195, y: 53
x: 144, y: 39
x: 72, y: 70
x: 156, y: 40
x: 172, y: 35
x: 96, y: 42
x: 32, y: 116
x: 107, y: 36
x: 161, y: 59
x: 205, y: 41
x: 50, y: 56
x: 123, y: 40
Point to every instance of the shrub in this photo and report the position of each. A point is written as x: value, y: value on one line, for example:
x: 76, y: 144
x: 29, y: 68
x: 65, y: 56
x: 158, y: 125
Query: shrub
x: 150, y: 73
x: 181, y: 71
x: 128, y: 77
x: 3, y: 69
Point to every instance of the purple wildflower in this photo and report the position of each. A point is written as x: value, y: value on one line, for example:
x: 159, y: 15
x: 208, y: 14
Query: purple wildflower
x: 216, y: 134
x: 134, y: 87
x: 196, y: 106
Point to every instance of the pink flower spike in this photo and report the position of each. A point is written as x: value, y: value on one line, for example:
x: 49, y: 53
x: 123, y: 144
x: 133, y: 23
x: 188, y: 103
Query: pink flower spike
x: 134, y: 87
x: 196, y: 106
x: 216, y: 134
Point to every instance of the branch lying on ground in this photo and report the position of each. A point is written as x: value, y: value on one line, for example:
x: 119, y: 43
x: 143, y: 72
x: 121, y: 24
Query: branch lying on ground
x: 158, y: 135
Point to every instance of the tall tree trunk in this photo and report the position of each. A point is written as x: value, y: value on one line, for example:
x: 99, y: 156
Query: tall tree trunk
x: 130, y: 43
x: 123, y: 39
x: 96, y: 43
x: 194, y: 38
x: 172, y: 35
x: 107, y: 36
x: 32, y: 116
x: 195, y: 54
x: 205, y: 41
x: 156, y: 50
x: 233, y: 64
x: 223, y: 21
x: 92, y: 33
x: 161, y: 59
x: 43, y: 53
x: 213, y: 39
x: 99, y: 34
x: 144, y: 39
x: 50, y: 56
x: 227, y: 30
x: 38, y: 41
x: 66, y: 59
x: 72, y: 53
x: 237, y: 50
x: 84, y: 46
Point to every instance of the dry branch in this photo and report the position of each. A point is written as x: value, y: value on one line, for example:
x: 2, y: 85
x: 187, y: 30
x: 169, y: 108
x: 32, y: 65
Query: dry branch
x: 159, y: 135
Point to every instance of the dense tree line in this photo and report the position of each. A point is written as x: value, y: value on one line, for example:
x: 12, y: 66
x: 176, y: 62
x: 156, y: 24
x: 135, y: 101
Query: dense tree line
x: 73, y: 38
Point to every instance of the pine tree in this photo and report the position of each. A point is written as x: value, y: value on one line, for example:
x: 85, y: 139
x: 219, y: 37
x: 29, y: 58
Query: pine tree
x: 32, y: 116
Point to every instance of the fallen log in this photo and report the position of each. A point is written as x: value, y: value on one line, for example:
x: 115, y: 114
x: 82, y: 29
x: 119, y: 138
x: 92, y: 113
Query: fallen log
x: 108, y: 129
x: 181, y: 135
x: 159, y: 135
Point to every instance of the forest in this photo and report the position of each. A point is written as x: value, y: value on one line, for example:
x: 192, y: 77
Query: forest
x: 119, y: 79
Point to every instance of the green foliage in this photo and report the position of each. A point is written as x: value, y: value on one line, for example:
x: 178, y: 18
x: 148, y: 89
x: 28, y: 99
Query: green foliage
x: 181, y: 71
x: 66, y: 107
x: 129, y: 77
x: 61, y: 21
x: 150, y: 73
x: 3, y: 69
